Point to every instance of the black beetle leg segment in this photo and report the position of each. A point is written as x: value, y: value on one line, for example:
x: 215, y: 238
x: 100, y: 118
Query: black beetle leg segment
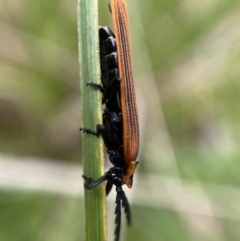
x: 96, y: 86
x: 89, y: 131
x: 109, y: 186
x: 90, y: 183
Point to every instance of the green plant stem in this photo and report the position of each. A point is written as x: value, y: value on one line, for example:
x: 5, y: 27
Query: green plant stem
x: 95, y: 200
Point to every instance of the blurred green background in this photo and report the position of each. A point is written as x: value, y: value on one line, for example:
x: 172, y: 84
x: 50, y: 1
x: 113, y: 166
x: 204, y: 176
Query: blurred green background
x: 186, y: 65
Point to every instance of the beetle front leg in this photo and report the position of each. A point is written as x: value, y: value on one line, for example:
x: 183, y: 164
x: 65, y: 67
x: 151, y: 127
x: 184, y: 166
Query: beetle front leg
x: 90, y: 183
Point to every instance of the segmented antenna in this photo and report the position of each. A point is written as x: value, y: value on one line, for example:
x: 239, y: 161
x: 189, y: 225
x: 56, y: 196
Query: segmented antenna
x: 121, y: 200
x: 118, y: 213
x: 126, y: 208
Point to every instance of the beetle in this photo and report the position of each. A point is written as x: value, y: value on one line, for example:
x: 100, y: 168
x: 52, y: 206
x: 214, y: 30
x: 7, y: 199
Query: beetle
x: 111, y: 129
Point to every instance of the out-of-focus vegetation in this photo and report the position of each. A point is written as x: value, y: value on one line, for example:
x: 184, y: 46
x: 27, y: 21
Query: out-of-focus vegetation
x: 37, y: 216
x: 186, y: 66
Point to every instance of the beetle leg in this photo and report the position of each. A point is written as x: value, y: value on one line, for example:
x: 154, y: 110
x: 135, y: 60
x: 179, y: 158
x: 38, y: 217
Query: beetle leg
x: 90, y: 131
x: 90, y: 183
x: 95, y: 86
x: 108, y: 187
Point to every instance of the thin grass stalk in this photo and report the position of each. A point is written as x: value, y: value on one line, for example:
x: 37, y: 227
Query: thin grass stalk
x: 95, y: 200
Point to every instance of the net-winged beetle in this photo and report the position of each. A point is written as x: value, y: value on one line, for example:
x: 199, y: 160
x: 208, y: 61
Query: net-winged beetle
x: 111, y: 128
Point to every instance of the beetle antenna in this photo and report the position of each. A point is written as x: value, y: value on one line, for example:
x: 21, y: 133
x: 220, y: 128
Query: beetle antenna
x: 126, y: 207
x: 118, y: 213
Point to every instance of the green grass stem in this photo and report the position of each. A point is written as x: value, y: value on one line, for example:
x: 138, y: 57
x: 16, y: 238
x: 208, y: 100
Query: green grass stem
x: 95, y: 200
